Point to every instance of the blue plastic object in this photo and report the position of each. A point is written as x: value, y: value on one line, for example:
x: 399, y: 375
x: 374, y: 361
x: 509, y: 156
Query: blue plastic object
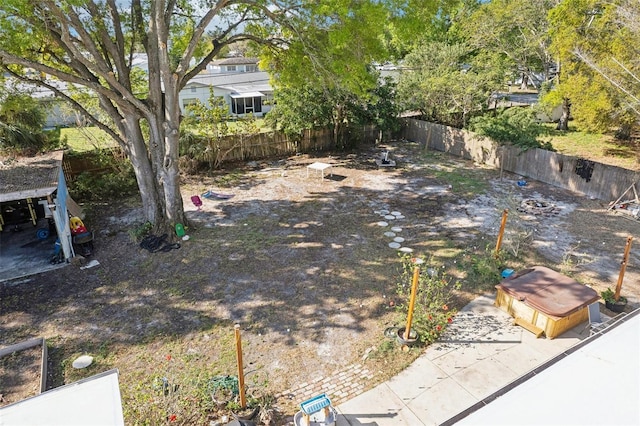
x: 522, y: 183
x: 507, y: 273
x: 42, y: 233
x: 315, y: 404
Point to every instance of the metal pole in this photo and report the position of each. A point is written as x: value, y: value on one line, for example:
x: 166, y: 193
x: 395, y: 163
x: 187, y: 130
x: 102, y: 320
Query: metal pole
x: 623, y: 267
x: 243, y: 399
x: 501, y: 233
x: 412, y: 301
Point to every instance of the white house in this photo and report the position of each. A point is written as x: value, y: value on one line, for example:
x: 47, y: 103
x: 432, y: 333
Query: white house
x: 237, y: 79
x: 244, y: 92
x: 232, y: 65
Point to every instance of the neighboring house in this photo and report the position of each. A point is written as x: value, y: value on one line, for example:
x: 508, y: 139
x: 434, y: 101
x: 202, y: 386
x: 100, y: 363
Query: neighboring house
x: 245, y: 89
x: 232, y: 65
x: 245, y: 93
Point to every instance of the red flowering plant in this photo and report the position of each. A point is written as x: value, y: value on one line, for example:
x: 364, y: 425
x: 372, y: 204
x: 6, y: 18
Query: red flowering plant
x: 432, y: 309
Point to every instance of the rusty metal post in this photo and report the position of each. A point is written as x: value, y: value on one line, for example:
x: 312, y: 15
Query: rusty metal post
x: 623, y: 267
x: 243, y: 398
x: 412, y: 301
x: 501, y: 233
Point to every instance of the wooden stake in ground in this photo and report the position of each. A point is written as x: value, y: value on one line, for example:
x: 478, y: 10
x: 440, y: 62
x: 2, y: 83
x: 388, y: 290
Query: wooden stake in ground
x: 243, y: 398
x: 412, y: 301
x: 501, y: 233
x: 623, y: 267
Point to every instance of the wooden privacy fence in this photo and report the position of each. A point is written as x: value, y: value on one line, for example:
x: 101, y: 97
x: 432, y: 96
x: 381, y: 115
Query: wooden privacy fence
x: 590, y: 178
x: 254, y: 147
x: 275, y: 144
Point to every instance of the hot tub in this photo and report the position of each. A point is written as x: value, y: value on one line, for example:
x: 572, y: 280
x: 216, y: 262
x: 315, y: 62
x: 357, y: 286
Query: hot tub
x: 545, y: 301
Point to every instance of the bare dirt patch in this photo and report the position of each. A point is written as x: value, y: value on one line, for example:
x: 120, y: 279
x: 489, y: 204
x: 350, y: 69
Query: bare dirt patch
x: 20, y: 375
x: 301, y: 263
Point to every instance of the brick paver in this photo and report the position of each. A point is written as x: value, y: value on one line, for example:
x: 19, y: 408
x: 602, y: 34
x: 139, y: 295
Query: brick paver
x: 340, y: 386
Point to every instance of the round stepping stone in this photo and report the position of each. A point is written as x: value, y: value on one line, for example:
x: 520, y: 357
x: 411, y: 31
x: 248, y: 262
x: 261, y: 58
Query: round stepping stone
x: 394, y: 245
x: 82, y: 361
x: 396, y: 213
x: 400, y: 216
x: 384, y: 212
x: 406, y: 250
x: 396, y: 229
x: 389, y: 234
x: 383, y: 224
x: 376, y: 212
x: 398, y: 240
x: 389, y: 217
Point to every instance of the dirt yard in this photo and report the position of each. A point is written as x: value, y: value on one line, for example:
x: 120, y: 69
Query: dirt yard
x: 302, y: 264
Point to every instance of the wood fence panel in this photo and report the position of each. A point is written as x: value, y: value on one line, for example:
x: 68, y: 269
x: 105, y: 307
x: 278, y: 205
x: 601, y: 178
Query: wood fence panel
x: 606, y: 182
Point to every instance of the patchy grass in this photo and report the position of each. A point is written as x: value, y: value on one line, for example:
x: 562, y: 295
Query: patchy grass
x: 82, y: 139
x: 464, y: 181
x: 596, y: 147
x: 300, y: 263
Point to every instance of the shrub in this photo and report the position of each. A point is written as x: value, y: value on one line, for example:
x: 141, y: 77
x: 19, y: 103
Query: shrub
x: 114, y: 179
x: 514, y: 126
x: 432, y: 310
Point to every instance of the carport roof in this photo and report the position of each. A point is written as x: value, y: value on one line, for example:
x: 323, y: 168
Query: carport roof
x: 29, y: 177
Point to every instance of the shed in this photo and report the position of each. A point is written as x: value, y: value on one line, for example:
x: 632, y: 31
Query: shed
x: 34, y: 212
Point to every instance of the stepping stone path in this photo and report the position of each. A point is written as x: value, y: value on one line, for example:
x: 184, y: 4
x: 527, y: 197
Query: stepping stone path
x: 392, y: 216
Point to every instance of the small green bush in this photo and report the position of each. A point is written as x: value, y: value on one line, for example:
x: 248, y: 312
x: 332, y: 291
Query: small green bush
x: 114, y: 180
x: 514, y: 126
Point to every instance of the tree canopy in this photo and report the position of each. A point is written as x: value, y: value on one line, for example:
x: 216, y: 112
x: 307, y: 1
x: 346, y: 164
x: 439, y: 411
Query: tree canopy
x: 448, y: 82
x: 92, y: 46
x: 597, y: 46
x: 516, y: 29
x: 21, y: 121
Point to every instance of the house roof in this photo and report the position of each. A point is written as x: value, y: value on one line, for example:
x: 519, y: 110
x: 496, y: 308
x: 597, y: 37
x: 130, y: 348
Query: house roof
x: 247, y: 90
x: 252, y: 79
x: 29, y: 177
x: 238, y: 60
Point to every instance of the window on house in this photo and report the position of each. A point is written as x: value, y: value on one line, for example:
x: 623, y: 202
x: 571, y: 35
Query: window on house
x: 189, y: 101
x: 231, y: 67
x: 237, y: 107
x: 246, y: 105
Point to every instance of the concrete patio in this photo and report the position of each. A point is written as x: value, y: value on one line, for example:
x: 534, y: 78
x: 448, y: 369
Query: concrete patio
x: 481, y: 352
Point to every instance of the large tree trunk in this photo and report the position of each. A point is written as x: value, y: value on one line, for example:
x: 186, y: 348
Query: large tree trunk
x: 563, y: 122
x: 145, y: 176
x: 524, y: 84
x: 170, y: 164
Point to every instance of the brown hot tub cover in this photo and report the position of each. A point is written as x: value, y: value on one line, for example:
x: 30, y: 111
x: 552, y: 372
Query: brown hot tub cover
x: 548, y: 291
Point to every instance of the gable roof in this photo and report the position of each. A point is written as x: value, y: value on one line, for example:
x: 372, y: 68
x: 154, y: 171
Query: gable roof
x: 29, y: 177
x: 221, y: 80
x: 237, y: 60
x: 249, y: 82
